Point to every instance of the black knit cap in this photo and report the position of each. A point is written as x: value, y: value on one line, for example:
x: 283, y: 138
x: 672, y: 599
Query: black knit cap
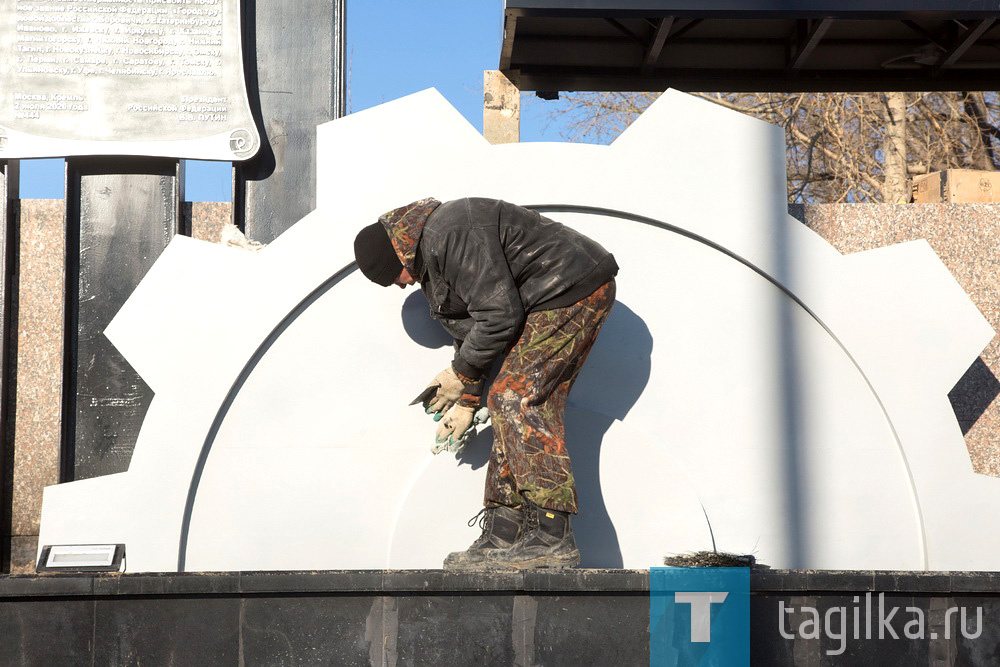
x: 376, y: 257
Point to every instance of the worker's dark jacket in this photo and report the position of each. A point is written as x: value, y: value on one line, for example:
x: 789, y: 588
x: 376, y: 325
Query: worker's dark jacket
x: 483, y: 264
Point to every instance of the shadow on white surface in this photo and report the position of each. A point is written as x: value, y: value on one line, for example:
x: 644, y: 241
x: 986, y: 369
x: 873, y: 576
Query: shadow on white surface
x: 624, y: 337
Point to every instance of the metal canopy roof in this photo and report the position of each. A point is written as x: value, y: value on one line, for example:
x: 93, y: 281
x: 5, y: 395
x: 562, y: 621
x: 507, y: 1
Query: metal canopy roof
x: 752, y: 45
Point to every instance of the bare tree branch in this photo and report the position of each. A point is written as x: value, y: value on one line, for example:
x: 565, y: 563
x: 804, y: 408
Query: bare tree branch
x: 837, y: 144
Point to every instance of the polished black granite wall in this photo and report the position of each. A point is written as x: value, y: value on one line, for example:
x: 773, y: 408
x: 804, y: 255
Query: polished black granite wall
x: 430, y: 617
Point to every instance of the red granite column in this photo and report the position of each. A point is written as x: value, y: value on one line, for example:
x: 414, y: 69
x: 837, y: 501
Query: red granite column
x: 38, y: 394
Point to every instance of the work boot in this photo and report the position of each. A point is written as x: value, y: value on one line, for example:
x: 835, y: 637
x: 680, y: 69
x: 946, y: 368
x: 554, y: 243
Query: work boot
x: 501, y: 527
x: 547, y: 541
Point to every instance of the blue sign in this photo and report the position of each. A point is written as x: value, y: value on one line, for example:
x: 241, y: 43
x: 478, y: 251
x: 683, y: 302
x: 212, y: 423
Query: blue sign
x: 699, y: 616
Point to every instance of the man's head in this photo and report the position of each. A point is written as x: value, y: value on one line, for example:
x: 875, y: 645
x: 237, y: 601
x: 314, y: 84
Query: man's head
x: 376, y: 257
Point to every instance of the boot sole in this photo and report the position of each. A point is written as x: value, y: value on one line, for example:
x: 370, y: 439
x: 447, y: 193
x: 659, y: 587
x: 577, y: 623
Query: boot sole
x: 476, y: 565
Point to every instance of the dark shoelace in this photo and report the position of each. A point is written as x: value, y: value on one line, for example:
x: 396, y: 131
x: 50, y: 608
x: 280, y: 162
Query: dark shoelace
x: 483, y: 516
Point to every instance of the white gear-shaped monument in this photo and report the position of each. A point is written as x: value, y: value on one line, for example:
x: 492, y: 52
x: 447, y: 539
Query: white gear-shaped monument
x: 753, y: 389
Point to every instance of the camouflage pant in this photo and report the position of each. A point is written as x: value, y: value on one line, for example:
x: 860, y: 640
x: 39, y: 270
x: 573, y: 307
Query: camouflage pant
x: 527, y: 403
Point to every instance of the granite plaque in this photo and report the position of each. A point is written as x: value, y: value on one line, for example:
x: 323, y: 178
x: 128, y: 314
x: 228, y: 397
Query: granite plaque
x: 123, y: 77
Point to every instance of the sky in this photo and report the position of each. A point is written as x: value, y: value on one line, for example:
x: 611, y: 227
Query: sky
x: 394, y: 48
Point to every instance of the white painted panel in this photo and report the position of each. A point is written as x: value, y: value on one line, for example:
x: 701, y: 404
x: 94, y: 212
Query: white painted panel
x: 752, y: 386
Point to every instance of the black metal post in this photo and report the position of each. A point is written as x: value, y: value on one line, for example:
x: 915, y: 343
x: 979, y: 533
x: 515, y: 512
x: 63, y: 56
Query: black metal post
x: 9, y: 195
x: 120, y: 215
x: 294, y: 60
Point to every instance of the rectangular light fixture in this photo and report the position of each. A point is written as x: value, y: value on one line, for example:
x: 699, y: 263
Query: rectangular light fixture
x: 81, y: 558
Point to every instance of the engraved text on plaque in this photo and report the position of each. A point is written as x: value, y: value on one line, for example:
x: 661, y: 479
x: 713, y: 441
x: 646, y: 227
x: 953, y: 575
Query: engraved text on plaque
x: 123, y: 77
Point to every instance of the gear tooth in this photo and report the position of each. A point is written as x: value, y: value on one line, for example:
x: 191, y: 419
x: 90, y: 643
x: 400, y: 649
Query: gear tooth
x: 679, y: 123
x: 675, y: 133
x: 389, y: 166
x: 928, y: 328
x: 167, y: 311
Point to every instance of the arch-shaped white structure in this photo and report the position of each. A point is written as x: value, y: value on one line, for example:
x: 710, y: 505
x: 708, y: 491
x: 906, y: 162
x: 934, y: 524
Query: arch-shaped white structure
x: 752, y: 387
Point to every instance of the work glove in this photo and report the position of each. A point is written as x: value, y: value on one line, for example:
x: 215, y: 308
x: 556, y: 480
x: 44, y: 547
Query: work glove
x: 458, y: 426
x: 449, y: 389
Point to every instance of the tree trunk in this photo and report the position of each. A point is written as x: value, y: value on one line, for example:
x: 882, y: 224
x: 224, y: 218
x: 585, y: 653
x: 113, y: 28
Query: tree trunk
x: 895, y: 188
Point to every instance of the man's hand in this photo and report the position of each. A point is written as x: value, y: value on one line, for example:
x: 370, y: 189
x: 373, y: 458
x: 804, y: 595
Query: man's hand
x: 449, y: 390
x: 457, y: 427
